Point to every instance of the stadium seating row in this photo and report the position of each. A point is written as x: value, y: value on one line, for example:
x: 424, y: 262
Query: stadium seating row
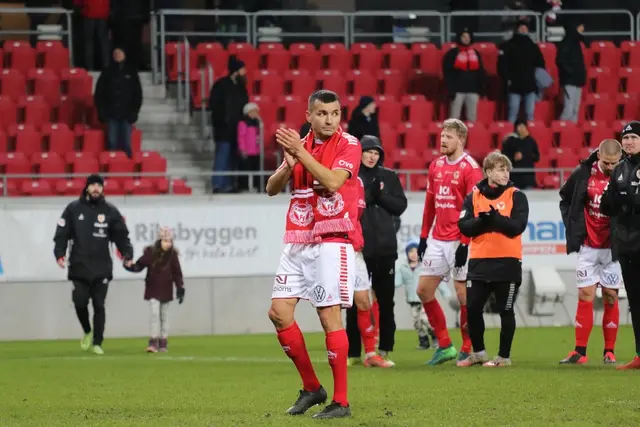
x: 21, y: 56
x: 75, y: 83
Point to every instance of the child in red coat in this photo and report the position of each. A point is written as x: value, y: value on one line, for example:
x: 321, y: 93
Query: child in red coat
x: 163, y: 271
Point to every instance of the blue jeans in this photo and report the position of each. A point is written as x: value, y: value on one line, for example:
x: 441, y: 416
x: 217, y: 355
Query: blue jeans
x: 119, y: 135
x: 514, y: 100
x: 222, y: 162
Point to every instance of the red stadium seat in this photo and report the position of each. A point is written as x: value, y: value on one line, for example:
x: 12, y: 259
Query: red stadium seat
x: 426, y: 58
x: 8, y: 112
x: 246, y: 53
x: 392, y: 82
x: 599, y: 108
x: 605, y: 54
x: 628, y: 105
x: 116, y: 162
x: 77, y: 83
x: 486, y: 111
x: 499, y: 132
x: 292, y: 109
x: 479, y: 141
x: 139, y: 187
x: 630, y: 80
x: 112, y: 187
x: 180, y: 187
x: 36, y: 188
x: 361, y: 83
x: 567, y: 135
x: 304, y: 56
x: 365, y: 56
x: 71, y: 187
x: 176, y: 59
x: 13, y: 84
x: 544, y: 112
x: 389, y: 110
x: 541, y: 134
x: 489, y: 54
x: 332, y: 80
x: 299, y: 83
x: 49, y: 164
x: 630, y: 53
x: 388, y: 138
x: 21, y: 55
x: 433, y: 131
x: 268, y: 114
x: 595, y: 133
x: 418, y: 108
x: 549, y: 52
x: 603, y: 80
x: 45, y: 83
x: 52, y: 55
x: 70, y: 111
x: 268, y: 83
x: 201, y: 87
x: 215, y: 55
x: 15, y: 164
x: 335, y: 56
x: 93, y: 141
x: 4, y: 143
x: 83, y: 163
x: 60, y: 139
x: 151, y: 162
x: 34, y: 111
x: 396, y: 56
x: 274, y: 57
x: 27, y: 139
x: 413, y: 137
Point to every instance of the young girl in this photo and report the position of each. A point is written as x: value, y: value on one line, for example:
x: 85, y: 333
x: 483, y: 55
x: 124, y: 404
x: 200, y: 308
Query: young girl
x: 249, y: 144
x: 163, y: 271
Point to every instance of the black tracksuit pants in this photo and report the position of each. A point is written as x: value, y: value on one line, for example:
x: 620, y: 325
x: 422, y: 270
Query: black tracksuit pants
x: 505, y: 294
x: 631, y: 276
x: 96, y: 291
x: 382, y: 271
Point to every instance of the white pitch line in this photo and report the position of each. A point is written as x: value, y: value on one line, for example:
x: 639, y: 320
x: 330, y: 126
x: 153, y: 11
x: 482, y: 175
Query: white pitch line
x: 206, y: 359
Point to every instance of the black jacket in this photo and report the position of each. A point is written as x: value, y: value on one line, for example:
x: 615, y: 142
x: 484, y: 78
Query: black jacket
x: 118, y: 93
x: 495, y: 269
x: 573, y: 196
x: 621, y: 202
x: 570, y: 60
x: 361, y: 125
x: 462, y: 81
x: 519, y: 57
x: 226, y: 101
x: 383, y: 205
x: 528, y: 147
x: 91, y: 227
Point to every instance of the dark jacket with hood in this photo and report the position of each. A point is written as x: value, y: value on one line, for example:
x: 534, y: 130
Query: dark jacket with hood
x: 573, y: 197
x: 361, y: 125
x: 385, y: 200
x: 226, y: 101
x: 463, y: 69
x: 570, y: 59
x: 495, y: 269
x: 163, y: 272
x: 519, y: 57
x: 528, y: 147
x: 91, y: 226
x: 621, y: 202
x: 118, y: 93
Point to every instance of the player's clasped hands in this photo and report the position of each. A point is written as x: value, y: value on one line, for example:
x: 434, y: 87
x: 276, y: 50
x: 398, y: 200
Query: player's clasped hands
x: 290, y: 140
x: 488, y: 215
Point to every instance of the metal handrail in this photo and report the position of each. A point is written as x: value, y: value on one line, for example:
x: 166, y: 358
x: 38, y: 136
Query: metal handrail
x: 394, y: 14
x: 638, y: 27
x: 334, y: 13
x: 43, y: 11
x: 629, y: 33
x: 496, y: 13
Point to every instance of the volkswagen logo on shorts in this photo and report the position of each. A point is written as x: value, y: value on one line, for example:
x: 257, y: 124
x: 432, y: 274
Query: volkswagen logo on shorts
x: 319, y: 293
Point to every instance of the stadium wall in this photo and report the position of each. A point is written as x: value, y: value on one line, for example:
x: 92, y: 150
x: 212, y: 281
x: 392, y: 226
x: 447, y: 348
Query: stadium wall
x: 226, y: 294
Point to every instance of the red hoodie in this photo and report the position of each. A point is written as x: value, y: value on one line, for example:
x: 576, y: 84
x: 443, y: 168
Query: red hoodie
x: 94, y: 9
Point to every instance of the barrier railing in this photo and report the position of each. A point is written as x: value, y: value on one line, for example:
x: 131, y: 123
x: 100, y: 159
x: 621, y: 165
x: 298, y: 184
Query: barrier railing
x: 638, y: 27
x: 596, y: 34
x: 493, y: 13
x: 30, y: 12
x: 344, y: 34
x: 411, y: 14
x: 407, y: 173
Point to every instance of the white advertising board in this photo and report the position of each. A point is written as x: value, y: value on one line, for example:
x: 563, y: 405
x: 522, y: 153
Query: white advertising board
x: 218, y: 240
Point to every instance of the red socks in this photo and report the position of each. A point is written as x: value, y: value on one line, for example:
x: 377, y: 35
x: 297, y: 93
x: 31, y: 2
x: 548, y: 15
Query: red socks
x: 610, y: 322
x: 293, y: 344
x: 375, y: 309
x: 464, y: 330
x: 584, y: 323
x: 367, y: 331
x: 337, y: 349
x: 438, y: 322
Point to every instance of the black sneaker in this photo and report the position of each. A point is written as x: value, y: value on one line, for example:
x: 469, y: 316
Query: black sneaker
x: 307, y: 399
x: 333, y: 410
x: 423, y: 343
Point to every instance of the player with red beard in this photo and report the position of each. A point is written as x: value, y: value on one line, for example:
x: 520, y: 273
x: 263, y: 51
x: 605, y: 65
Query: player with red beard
x: 318, y: 262
x: 451, y: 177
x: 588, y: 233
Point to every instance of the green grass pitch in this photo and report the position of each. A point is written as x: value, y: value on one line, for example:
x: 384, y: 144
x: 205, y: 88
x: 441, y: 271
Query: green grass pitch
x: 247, y: 381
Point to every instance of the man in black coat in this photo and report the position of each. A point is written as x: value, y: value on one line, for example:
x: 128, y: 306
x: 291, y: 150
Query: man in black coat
x: 118, y: 99
x: 572, y: 70
x: 519, y: 57
x: 91, y: 224
x: 227, y: 99
x: 385, y: 200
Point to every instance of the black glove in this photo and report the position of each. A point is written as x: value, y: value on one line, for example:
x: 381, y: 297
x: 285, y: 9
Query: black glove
x: 374, y: 188
x: 180, y: 295
x: 489, y: 215
x: 422, y: 247
x: 461, y: 255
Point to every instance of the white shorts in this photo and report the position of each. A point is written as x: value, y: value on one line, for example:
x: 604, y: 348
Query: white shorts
x: 321, y: 273
x: 595, y: 266
x: 440, y: 260
x: 363, y: 281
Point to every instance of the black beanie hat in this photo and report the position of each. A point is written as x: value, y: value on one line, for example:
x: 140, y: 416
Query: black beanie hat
x: 632, y: 127
x: 94, y: 179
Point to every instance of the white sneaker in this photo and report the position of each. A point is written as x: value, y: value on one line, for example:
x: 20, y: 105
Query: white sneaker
x: 473, y: 359
x: 98, y: 350
x: 85, y: 342
x: 498, y: 362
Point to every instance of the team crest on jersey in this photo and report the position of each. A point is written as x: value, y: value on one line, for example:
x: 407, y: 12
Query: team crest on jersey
x: 456, y: 175
x: 330, y: 206
x: 440, y: 162
x: 301, y: 214
x: 500, y: 206
x: 101, y: 218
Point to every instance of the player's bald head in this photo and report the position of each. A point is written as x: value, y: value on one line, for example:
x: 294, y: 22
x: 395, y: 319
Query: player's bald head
x: 610, y: 147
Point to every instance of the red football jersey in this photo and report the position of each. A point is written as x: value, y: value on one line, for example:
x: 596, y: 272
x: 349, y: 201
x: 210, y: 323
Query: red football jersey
x: 448, y: 183
x: 598, y: 224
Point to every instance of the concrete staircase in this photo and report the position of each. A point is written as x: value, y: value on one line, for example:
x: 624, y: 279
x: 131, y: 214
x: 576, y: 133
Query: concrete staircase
x: 170, y: 132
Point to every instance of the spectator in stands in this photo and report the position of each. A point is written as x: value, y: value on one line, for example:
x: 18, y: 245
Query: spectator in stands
x: 95, y: 14
x: 522, y: 151
x: 464, y: 77
x: 127, y: 21
x: 517, y: 63
x: 118, y: 98
x: 227, y: 99
x: 249, y: 142
x: 572, y: 70
x: 364, y: 119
